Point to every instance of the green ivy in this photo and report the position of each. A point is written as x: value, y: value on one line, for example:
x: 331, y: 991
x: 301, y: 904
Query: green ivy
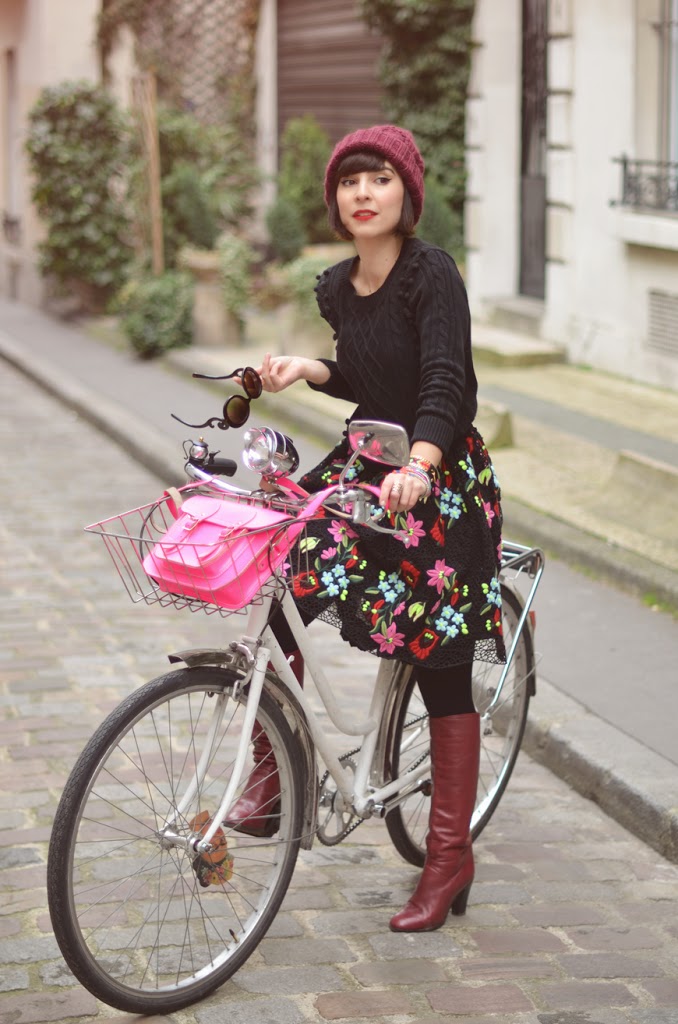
x: 425, y: 68
x: 76, y: 146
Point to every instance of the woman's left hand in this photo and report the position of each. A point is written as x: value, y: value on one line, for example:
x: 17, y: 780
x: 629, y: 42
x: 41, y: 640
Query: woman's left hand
x: 401, y: 491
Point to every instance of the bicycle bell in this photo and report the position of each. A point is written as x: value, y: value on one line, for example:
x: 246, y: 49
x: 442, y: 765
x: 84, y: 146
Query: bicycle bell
x: 198, y: 451
x: 269, y: 452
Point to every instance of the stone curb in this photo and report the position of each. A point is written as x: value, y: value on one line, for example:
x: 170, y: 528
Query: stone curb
x: 148, y: 446
x: 632, y: 784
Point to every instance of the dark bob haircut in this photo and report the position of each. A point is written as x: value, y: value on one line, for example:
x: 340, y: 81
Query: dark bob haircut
x: 366, y: 160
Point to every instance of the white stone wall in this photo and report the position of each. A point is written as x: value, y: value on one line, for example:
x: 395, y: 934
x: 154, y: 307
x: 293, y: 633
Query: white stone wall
x: 602, y: 261
x: 53, y: 40
x: 493, y: 142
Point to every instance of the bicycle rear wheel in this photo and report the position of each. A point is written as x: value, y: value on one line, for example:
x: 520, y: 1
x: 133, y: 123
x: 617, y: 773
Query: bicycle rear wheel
x: 142, y: 922
x: 501, y: 736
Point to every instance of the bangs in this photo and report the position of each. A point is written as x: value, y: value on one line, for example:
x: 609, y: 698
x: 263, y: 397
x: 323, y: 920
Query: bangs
x: 365, y: 160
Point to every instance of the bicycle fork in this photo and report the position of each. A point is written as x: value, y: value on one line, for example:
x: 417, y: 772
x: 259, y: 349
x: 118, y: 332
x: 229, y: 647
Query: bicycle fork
x: 257, y: 664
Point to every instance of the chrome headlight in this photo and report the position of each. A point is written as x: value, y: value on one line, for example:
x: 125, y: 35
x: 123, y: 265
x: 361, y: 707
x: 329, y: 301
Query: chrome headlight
x: 269, y: 452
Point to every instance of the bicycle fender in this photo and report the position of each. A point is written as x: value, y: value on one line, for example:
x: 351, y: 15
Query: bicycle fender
x: 197, y: 656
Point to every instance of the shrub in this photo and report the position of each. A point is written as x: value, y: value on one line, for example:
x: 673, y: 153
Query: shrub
x: 286, y: 230
x: 236, y: 259
x: 190, y: 215
x: 301, y: 279
x: 304, y: 151
x: 76, y: 145
x: 156, y: 312
x: 206, y: 177
x: 438, y: 224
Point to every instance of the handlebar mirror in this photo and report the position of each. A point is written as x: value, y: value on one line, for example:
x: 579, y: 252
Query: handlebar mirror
x: 382, y: 442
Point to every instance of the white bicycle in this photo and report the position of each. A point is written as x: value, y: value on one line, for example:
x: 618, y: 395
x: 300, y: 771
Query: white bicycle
x: 155, y: 901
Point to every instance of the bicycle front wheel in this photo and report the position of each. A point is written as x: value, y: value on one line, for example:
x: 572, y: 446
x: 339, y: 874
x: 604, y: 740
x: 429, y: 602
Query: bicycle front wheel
x: 143, y: 922
x: 502, y: 729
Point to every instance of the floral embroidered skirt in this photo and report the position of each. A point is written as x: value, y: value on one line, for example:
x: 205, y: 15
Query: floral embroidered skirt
x: 429, y: 594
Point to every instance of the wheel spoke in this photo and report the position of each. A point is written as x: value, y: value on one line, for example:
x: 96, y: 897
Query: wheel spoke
x: 136, y: 923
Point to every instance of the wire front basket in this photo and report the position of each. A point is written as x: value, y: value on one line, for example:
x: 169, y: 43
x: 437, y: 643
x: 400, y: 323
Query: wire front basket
x: 223, y: 576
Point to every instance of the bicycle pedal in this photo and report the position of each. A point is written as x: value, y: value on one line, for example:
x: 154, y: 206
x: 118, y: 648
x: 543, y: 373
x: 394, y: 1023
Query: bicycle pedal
x: 213, y: 874
x: 200, y: 824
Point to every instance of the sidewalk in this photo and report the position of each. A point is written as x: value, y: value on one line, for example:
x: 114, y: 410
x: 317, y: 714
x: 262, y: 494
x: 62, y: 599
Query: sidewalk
x: 588, y: 479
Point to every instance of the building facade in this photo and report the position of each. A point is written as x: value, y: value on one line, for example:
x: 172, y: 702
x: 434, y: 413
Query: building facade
x: 318, y: 59
x: 42, y: 42
x: 572, y: 210
x: 311, y: 57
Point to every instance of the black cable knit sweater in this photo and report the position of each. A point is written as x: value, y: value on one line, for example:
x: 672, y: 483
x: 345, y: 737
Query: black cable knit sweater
x: 404, y: 352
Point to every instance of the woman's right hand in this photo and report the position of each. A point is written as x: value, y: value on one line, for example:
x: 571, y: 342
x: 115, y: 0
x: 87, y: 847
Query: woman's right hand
x: 278, y: 372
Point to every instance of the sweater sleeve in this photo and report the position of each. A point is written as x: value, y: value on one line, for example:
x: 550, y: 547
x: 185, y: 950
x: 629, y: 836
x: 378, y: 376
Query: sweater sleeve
x: 441, y: 315
x: 337, y: 386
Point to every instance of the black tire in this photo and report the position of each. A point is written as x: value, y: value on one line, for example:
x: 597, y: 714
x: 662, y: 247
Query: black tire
x: 132, y: 919
x: 501, y: 737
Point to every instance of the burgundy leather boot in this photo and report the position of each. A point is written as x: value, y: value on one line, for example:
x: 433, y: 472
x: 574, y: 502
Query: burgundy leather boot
x: 448, y: 871
x: 256, y: 812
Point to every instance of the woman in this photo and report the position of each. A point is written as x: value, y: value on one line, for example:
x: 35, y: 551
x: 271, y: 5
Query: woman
x: 431, y: 597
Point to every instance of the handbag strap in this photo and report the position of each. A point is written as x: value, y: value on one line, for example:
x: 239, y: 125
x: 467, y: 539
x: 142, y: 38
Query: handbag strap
x: 174, y: 500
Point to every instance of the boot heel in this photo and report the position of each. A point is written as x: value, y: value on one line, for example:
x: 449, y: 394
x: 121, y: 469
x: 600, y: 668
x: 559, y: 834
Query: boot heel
x: 460, y: 901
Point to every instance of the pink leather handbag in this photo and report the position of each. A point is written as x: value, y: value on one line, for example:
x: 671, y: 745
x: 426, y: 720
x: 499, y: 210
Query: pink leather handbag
x: 222, y: 551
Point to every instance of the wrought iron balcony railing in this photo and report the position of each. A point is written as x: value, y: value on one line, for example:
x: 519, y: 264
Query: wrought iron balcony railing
x: 648, y: 185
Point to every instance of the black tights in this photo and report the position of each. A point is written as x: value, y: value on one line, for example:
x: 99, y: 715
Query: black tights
x: 444, y: 691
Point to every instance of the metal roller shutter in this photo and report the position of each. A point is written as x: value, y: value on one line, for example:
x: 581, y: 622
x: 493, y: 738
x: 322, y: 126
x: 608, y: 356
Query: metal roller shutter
x: 327, y: 66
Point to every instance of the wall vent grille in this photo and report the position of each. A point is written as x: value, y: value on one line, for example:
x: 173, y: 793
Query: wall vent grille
x: 662, y: 335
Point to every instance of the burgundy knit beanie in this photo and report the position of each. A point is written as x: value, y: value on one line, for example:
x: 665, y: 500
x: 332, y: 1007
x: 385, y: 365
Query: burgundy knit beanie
x: 397, y: 145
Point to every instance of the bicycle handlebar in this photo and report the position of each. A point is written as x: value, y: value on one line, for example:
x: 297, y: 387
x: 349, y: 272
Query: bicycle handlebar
x: 355, y: 497
x: 224, y: 467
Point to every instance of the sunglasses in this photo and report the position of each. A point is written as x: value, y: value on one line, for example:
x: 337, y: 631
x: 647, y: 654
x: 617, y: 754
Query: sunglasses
x: 236, y: 409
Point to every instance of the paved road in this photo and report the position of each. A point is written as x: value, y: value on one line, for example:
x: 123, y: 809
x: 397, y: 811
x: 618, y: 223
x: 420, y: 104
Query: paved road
x: 572, y: 919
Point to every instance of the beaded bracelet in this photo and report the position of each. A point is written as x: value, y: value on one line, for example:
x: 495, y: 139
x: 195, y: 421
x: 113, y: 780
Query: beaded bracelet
x: 427, y: 466
x: 420, y: 475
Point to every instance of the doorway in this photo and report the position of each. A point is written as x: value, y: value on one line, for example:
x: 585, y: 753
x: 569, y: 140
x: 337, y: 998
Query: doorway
x: 533, y: 150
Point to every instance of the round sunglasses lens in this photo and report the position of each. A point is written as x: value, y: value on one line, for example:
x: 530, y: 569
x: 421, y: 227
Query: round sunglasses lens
x: 236, y: 411
x: 251, y: 382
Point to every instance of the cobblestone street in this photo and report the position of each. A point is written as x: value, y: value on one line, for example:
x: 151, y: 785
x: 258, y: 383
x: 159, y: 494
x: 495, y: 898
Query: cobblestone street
x: 572, y: 920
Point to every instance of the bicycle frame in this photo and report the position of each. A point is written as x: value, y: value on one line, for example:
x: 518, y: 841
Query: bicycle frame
x: 356, y: 789
x: 364, y: 790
